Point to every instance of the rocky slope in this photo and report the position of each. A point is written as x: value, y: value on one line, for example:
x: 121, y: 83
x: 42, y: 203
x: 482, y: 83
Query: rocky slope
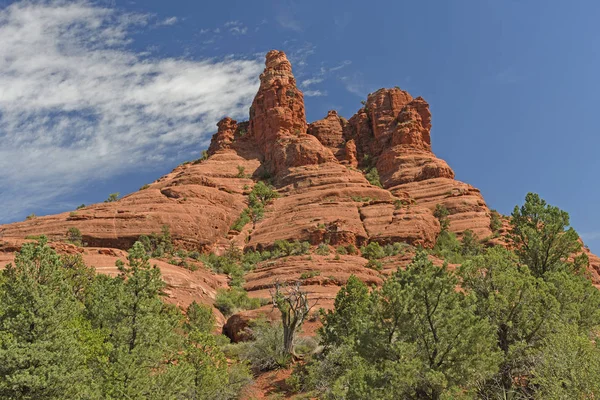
x: 318, y: 170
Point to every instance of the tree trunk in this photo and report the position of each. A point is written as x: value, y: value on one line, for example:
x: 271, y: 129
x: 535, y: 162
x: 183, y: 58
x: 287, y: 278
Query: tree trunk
x: 288, y: 339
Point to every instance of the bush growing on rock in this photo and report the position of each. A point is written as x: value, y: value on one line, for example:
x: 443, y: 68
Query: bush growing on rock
x: 230, y: 301
x: 74, y: 236
x: 112, y: 197
x: 322, y: 249
x: 372, y: 176
x: 372, y: 251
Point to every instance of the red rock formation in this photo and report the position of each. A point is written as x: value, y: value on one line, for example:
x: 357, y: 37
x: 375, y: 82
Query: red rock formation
x: 323, y: 197
x: 278, y: 122
x: 224, y: 136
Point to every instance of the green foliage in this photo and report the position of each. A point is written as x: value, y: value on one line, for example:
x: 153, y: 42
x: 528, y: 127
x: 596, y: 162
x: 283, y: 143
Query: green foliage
x: 341, y: 250
x: 284, y: 248
x: 495, y: 221
x: 66, y: 333
x: 542, y: 237
x: 372, y: 251
x: 230, y: 301
x: 310, y: 274
x: 42, y: 337
x: 372, y: 176
x: 526, y: 311
x: 322, y: 249
x: 518, y: 305
x: 416, y: 337
x: 349, y: 318
x: 242, y: 221
x: 74, y: 236
x: 266, y: 351
x: 260, y: 196
x: 374, y: 264
x: 206, y: 364
x: 448, y: 247
x: 199, y: 318
x: 441, y: 213
x: 31, y: 216
x: 568, y: 366
x: 352, y: 250
x: 393, y: 249
x: 158, y: 245
x: 241, y: 171
x: 203, y: 157
x: 470, y: 244
x: 146, y: 186
x: 360, y: 199
x: 112, y: 197
x: 81, y: 206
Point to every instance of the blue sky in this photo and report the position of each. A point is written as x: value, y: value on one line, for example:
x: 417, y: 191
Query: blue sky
x: 102, y: 97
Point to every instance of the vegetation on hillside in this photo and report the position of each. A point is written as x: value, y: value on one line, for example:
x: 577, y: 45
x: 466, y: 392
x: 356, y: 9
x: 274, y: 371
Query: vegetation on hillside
x: 500, y: 324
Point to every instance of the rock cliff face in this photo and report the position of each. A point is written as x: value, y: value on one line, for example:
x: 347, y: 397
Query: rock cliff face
x: 324, y: 196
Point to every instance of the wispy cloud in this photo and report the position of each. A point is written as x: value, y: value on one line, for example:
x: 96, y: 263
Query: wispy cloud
x: 236, y: 27
x: 77, y: 104
x: 312, y: 81
x: 315, y: 93
x: 169, y: 21
x: 355, y: 84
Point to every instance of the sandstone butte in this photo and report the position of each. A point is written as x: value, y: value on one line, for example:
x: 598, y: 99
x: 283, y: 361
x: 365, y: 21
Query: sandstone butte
x: 324, y: 196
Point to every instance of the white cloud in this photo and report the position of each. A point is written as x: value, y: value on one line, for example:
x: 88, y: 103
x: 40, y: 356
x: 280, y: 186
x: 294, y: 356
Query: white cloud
x: 311, y: 81
x: 77, y: 104
x: 169, y: 21
x: 236, y: 27
x: 315, y: 93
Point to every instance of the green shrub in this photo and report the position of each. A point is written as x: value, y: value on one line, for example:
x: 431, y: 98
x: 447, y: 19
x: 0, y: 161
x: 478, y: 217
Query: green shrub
x: 470, y: 244
x: 241, y: 171
x: 341, y: 250
x: 199, y: 317
x: 81, y: 206
x: 284, y: 248
x: 228, y: 264
x: 74, y: 236
x: 394, y: 249
x: 372, y: 176
x: 241, y: 222
x: 352, y: 250
x: 203, y: 157
x: 322, y: 249
x: 374, y: 264
x: 495, y: 221
x: 263, y: 193
x: 158, y: 245
x: 31, y: 216
x: 360, y: 199
x: 266, y: 352
x: 310, y: 274
x: 112, y: 197
x: 233, y: 300
x: 448, y: 247
x: 372, y: 251
x: 146, y: 186
x: 441, y: 213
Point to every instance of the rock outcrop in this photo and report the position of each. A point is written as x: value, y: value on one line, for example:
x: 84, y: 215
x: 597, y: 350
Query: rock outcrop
x: 324, y: 196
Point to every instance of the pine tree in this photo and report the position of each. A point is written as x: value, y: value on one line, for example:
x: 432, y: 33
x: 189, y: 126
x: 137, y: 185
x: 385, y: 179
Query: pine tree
x: 43, y: 350
x: 542, y: 237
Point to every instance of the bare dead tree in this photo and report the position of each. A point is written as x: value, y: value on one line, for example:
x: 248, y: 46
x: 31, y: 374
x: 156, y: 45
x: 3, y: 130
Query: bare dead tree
x: 294, y: 306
